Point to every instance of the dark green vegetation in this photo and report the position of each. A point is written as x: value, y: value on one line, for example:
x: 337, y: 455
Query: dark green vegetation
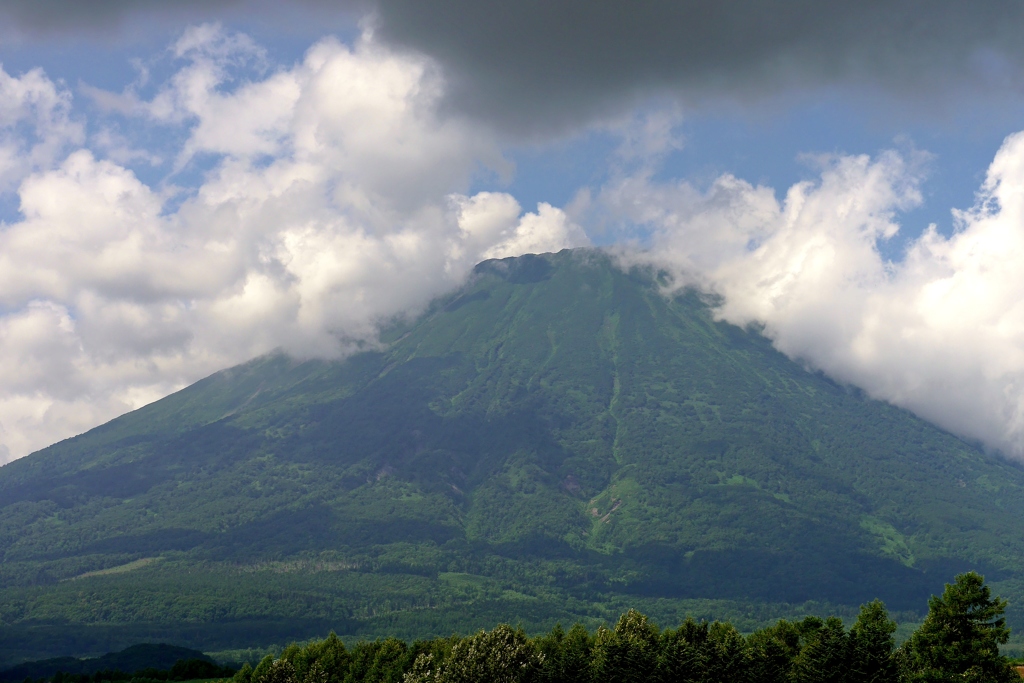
x: 958, y: 642
x: 961, y: 635
x: 558, y: 441
x: 155, y: 662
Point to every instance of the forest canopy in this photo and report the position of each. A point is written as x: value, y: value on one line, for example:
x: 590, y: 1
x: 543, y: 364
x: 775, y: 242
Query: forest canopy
x: 958, y: 641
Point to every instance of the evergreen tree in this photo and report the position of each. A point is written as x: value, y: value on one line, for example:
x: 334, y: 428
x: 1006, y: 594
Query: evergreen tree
x: 772, y: 651
x: 727, y: 658
x: 629, y: 653
x: 262, y: 669
x: 382, y: 661
x: 327, y: 660
x: 568, y: 657
x: 960, y: 638
x: 243, y: 675
x: 684, y: 652
x: 825, y: 657
x: 872, y: 646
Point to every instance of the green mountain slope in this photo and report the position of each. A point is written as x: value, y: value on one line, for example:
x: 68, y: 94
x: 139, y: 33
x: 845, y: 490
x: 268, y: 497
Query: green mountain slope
x: 556, y: 441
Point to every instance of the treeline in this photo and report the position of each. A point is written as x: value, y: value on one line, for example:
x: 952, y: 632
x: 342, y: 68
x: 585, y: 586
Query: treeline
x: 958, y: 641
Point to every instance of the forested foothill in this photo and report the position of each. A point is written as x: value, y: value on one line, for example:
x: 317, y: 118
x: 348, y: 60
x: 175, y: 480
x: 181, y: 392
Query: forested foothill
x: 958, y: 641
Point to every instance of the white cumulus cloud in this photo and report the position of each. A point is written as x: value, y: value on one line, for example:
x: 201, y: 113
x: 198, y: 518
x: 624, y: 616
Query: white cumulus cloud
x: 332, y: 197
x: 940, y: 332
x: 35, y: 124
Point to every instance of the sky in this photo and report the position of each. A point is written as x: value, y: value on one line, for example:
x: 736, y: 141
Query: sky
x: 187, y: 185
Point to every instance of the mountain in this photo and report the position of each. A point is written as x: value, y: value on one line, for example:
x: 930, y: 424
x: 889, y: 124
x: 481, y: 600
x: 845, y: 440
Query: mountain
x: 558, y: 440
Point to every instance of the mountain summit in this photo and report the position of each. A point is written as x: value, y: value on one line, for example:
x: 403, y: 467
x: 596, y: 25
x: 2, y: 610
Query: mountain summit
x: 558, y: 440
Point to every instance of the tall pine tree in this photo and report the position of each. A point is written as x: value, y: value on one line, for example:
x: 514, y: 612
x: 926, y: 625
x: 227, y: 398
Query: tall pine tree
x: 872, y: 645
x: 960, y: 638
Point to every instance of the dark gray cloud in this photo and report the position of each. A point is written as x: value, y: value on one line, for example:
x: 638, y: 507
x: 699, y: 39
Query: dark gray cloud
x: 540, y: 66
x: 45, y: 17
x: 535, y: 60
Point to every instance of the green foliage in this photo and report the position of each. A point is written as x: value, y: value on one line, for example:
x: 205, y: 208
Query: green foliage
x: 263, y: 669
x: 322, y: 661
x: 960, y: 638
x: 557, y: 441
x: 243, y: 675
x: 958, y: 642
x: 628, y: 653
x: 381, y: 661
x: 504, y: 655
x: 278, y: 671
x: 772, y: 651
x: 825, y: 655
x: 872, y: 645
x: 566, y: 657
x: 811, y: 649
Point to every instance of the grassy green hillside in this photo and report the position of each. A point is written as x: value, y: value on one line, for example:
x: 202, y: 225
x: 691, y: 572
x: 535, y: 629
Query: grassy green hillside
x: 556, y: 441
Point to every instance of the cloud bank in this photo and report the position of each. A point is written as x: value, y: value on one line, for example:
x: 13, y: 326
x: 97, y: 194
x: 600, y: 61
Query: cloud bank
x: 940, y: 332
x: 538, y: 66
x: 330, y: 198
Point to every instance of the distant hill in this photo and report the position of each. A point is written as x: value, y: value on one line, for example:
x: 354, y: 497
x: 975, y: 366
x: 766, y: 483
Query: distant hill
x: 556, y: 441
x: 135, y: 658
